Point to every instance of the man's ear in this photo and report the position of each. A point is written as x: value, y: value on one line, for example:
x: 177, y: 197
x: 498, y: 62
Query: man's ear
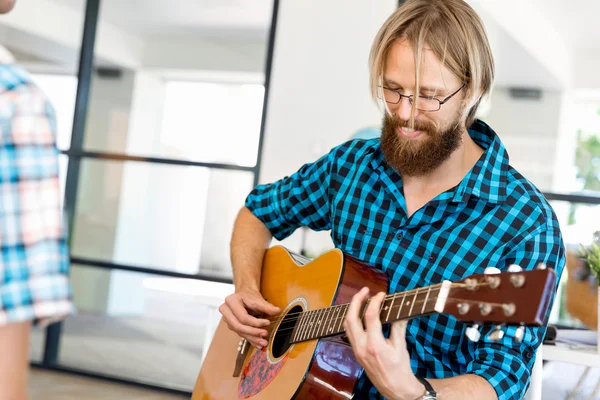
x: 472, y: 100
x: 471, y: 105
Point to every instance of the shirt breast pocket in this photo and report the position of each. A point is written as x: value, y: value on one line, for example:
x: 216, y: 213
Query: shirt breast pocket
x: 349, y: 240
x: 419, y: 262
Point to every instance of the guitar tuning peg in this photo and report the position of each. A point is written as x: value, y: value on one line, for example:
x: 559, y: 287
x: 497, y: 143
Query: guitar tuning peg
x: 473, y: 333
x: 514, y: 268
x: 491, y: 270
x: 496, y: 335
x: 520, y: 334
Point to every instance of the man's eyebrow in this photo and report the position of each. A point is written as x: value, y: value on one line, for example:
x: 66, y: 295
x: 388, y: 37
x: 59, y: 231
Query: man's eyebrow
x: 423, y: 88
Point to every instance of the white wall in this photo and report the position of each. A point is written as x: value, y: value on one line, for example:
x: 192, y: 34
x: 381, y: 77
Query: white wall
x: 529, y: 32
x: 58, y: 30
x: 530, y: 131
x: 315, y: 53
x: 586, y: 69
x: 193, y: 54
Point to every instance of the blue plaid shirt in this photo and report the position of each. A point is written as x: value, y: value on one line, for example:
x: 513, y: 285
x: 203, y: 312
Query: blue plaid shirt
x: 34, y: 258
x: 493, y: 217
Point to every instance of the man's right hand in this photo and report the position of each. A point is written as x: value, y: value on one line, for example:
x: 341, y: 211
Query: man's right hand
x: 235, y: 313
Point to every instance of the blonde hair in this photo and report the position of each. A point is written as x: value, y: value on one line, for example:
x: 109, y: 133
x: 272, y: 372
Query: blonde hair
x: 455, y: 34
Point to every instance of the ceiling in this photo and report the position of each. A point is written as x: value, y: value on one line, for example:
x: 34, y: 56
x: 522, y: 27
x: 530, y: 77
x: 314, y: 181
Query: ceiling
x: 515, y: 66
x: 162, y: 17
x: 575, y: 20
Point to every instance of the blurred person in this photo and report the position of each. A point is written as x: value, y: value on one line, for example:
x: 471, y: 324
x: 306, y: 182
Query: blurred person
x: 34, y: 260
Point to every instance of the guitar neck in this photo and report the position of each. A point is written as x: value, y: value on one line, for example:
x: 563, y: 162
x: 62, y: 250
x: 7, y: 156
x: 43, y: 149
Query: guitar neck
x: 329, y: 321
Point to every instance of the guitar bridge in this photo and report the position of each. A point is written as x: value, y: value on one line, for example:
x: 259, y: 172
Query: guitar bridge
x: 242, y: 349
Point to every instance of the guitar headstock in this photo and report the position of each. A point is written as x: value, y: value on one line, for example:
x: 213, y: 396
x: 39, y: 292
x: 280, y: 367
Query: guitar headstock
x: 504, y: 298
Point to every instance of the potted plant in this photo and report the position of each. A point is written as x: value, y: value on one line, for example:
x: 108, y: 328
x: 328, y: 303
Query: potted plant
x: 591, y: 257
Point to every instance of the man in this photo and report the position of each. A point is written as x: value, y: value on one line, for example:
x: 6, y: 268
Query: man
x: 434, y: 199
x: 34, y: 262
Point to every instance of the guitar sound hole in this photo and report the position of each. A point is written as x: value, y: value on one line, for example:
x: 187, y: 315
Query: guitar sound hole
x: 281, y: 341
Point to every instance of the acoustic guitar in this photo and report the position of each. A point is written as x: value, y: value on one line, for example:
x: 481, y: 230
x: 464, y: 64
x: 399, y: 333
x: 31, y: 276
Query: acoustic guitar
x: 308, y: 356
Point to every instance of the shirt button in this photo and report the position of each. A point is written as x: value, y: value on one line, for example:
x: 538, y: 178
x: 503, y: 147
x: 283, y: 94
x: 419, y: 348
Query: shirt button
x: 399, y: 235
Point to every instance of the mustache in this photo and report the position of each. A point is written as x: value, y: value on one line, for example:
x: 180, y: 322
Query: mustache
x: 395, y: 122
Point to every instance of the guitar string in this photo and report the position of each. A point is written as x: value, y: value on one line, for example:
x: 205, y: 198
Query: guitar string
x: 404, y: 317
x: 275, y: 319
x: 393, y: 296
x: 337, y: 319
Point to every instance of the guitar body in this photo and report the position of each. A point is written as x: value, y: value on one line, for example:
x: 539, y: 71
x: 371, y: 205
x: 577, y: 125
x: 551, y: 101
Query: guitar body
x: 315, y: 369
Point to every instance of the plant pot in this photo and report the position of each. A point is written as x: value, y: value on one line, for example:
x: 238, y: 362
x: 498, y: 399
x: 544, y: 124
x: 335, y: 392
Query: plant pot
x: 598, y: 325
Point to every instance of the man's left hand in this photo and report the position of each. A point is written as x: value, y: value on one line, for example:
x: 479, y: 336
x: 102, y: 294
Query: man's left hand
x: 386, y: 361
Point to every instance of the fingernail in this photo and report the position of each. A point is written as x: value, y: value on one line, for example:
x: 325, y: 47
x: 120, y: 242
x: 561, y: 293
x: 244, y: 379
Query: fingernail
x: 263, y: 343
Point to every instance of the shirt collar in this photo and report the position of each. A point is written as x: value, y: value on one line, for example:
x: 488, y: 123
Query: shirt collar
x: 487, y: 179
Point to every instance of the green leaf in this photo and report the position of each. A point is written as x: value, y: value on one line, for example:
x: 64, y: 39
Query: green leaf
x: 592, y: 257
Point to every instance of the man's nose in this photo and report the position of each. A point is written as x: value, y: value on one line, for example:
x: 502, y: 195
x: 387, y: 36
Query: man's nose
x: 404, y: 108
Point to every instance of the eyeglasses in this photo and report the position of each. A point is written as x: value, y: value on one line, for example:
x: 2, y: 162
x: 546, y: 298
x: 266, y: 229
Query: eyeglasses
x: 424, y: 103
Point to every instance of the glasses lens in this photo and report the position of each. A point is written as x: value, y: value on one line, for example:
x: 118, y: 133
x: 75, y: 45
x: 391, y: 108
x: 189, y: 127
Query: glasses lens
x: 427, y: 104
x: 390, y: 96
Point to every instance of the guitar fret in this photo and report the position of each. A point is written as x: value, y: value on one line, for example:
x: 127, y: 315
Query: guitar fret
x: 343, y: 317
x: 381, y: 307
x: 401, y: 305
x: 331, y: 324
x: 426, y: 298
x: 413, y: 302
x: 328, y: 327
x: 322, y: 319
x: 387, y: 318
x: 339, y: 319
x: 313, y: 324
x: 323, y: 330
x: 305, y: 317
x: 316, y: 323
x: 310, y: 324
x: 295, y: 330
x: 323, y: 326
x: 307, y: 324
x: 301, y: 325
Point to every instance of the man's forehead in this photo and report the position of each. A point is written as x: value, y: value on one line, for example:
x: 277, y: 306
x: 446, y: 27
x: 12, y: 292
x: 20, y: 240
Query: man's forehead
x: 425, y: 86
x: 404, y: 42
x: 400, y: 67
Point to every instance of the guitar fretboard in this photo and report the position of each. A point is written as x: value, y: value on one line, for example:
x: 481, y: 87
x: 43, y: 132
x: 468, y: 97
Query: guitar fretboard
x: 329, y: 321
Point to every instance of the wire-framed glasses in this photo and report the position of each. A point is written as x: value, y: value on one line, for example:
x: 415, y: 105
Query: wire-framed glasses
x: 424, y: 103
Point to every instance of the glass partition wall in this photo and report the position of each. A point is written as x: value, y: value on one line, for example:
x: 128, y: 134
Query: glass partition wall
x: 160, y: 111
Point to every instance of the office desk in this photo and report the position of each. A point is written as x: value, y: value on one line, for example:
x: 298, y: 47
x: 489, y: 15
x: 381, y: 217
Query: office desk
x: 580, y: 355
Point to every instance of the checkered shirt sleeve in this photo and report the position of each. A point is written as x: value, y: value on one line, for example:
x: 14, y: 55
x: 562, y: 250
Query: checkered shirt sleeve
x: 507, y: 364
x: 301, y: 199
x: 34, y: 257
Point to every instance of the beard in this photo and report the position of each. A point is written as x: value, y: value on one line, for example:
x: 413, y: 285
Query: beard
x: 419, y: 156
